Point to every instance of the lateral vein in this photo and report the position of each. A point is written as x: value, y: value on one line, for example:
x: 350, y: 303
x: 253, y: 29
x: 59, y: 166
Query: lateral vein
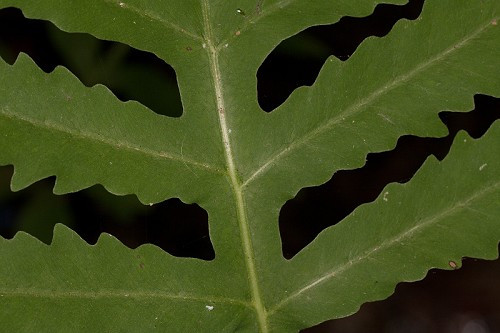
x: 464, y: 204
x: 360, y: 106
x: 51, y: 294
x: 153, y: 16
x: 116, y: 144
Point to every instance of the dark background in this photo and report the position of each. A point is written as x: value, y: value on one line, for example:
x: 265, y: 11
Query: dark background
x: 465, y: 301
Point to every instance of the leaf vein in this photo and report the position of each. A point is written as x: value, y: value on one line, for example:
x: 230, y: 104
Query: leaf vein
x: 118, y: 294
x: 154, y: 17
x: 360, y: 106
x: 232, y: 172
x: 256, y: 17
x: 116, y: 144
x: 464, y: 204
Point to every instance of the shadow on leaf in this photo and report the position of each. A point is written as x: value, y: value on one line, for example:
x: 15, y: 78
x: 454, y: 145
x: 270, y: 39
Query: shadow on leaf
x: 297, y: 61
x: 178, y: 228
x: 129, y: 73
x: 317, y: 208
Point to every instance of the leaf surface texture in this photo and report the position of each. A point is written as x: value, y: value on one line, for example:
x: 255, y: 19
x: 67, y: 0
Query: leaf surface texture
x: 241, y: 165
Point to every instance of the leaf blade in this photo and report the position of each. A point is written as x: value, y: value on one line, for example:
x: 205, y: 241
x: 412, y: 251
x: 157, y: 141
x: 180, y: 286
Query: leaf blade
x: 70, y: 125
x: 111, y: 286
x: 395, y: 72
x: 411, y: 228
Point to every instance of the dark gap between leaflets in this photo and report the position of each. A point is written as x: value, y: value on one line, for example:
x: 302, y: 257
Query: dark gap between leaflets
x: 129, y: 73
x: 317, y: 208
x: 297, y: 61
x: 178, y: 228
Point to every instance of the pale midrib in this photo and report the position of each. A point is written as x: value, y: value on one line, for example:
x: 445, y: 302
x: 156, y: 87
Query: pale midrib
x: 360, y: 106
x: 141, y: 295
x: 116, y: 144
x: 148, y: 15
x: 385, y: 245
x: 231, y: 169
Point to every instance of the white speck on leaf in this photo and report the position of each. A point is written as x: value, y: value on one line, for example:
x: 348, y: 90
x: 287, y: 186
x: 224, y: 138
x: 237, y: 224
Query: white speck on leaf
x: 151, y: 204
x: 204, y: 45
x: 122, y: 4
x: 385, y: 196
x: 482, y: 167
x: 209, y: 307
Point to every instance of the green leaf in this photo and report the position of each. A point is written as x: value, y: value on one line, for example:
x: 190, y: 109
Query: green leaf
x: 71, y: 286
x: 449, y: 210
x: 241, y: 165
